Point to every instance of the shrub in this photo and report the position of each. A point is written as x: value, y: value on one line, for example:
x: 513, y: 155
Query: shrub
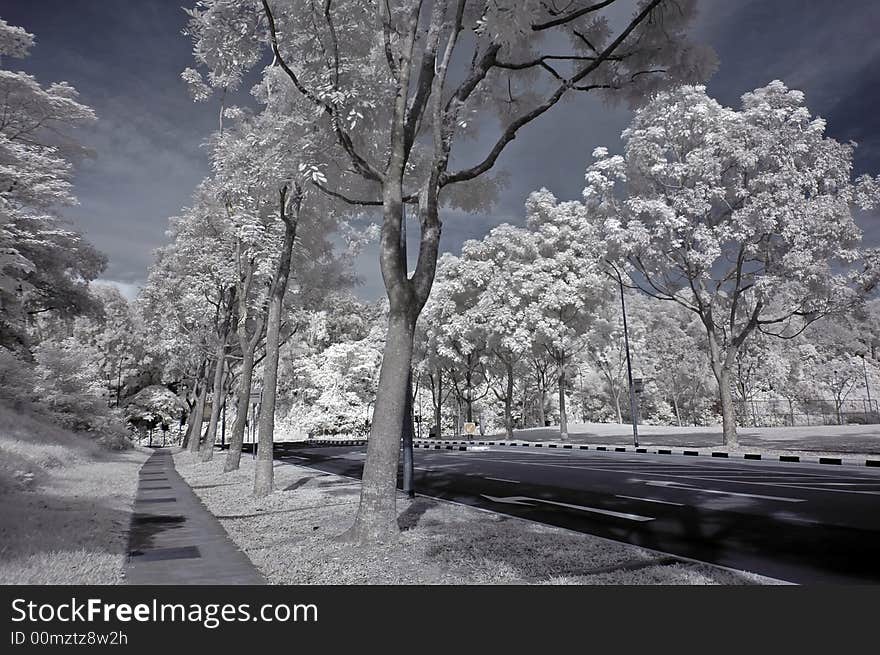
x: 16, y: 380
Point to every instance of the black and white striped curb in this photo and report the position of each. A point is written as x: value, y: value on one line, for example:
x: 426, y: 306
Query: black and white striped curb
x: 443, y: 444
x: 314, y: 443
x: 329, y: 443
x: 439, y: 444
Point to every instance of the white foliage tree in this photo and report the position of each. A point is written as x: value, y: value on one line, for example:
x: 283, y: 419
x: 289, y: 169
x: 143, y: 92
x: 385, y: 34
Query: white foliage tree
x: 45, y: 266
x: 399, y: 86
x: 743, y: 217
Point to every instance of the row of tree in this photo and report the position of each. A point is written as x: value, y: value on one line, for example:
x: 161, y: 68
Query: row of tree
x: 382, y: 106
x: 742, y: 218
x: 829, y: 373
x: 741, y: 221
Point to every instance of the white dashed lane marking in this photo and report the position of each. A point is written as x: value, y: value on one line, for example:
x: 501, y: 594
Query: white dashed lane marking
x: 685, y: 487
x: 651, y: 500
x: 528, y: 501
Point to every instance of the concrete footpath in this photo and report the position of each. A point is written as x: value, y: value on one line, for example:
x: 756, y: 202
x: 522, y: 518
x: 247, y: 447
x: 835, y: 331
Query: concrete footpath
x: 174, y: 540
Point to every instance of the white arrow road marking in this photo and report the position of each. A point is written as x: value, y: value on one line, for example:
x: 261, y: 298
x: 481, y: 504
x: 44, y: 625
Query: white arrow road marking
x: 519, y: 500
x: 679, y: 485
x: 503, y: 480
x: 651, y: 500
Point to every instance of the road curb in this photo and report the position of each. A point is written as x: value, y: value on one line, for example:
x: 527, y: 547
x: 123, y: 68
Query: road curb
x: 688, y: 452
x: 446, y: 444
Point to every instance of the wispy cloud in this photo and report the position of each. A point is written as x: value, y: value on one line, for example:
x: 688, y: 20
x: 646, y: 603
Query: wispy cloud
x: 126, y: 62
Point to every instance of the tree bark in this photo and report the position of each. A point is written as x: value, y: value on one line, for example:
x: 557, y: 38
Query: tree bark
x: 376, y: 520
x: 563, y: 416
x: 728, y: 411
x: 191, y: 406
x: 264, y: 473
x: 508, y: 403
x: 197, y: 414
x: 542, y: 418
x: 438, y: 405
x: 407, y: 441
x: 469, y: 398
x: 207, y: 449
x: 242, y: 401
x: 722, y: 361
x: 248, y: 345
x: 185, y: 418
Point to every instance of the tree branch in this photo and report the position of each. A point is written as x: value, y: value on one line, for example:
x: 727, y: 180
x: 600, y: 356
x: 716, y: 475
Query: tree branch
x: 361, y: 165
x: 510, y: 132
x: 562, y: 20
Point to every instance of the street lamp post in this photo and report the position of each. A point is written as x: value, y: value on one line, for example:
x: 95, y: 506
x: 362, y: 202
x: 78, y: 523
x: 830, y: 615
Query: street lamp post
x: 633, y: 406
x: 406, y: 437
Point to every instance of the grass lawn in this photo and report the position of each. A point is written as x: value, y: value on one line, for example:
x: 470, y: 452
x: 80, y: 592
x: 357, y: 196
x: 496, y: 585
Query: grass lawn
x: 65, y: 505
x: 290, y: 537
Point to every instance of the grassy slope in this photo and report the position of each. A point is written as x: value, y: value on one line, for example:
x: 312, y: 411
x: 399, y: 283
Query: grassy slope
x: 290, y: 537
x: 65, y: 505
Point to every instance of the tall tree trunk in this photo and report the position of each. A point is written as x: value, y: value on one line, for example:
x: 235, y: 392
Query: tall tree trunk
x: 438, y: 405
x: 469, y: 399
x: 196, y: 416
x: 728, y: 410
x: 615, y: 393
x: 185, y: 417
x: 675, y: 407
x: 563, y: 416
x: 722, y: 362
x: 508, y: 403
x: 542, y: 397
x: 376, y: 519
x: 248, y: 345
x: 407, y: 440
x: 191, y: 405
x: 207, y: 449
x: 242, y: 402
x: 264, y: 473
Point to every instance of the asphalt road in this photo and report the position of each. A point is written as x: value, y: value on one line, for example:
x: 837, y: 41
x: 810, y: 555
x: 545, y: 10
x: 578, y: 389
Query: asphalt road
x: 799, y: 522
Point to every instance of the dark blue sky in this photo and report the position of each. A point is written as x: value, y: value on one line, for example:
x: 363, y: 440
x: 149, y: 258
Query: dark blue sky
x: 125, y: 58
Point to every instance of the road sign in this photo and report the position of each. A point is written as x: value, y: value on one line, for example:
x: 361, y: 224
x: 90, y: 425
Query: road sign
x: 256, y: 394
x: 470, y: 428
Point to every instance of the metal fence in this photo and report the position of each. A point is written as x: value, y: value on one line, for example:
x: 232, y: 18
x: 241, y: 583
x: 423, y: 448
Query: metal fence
x: 813, y: 411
